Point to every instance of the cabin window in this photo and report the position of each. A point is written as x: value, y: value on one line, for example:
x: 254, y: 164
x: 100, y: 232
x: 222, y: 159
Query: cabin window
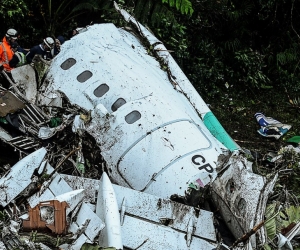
x: 230, y: 186
x: 117, y: 104
x: 132, y: 117
x: 101, y: 90
x: 68, y: 63
x: 84, y: 76
x: 241, y: 206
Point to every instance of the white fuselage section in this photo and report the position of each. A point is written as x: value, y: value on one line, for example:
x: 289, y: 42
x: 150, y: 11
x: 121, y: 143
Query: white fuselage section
x: 150, y: 135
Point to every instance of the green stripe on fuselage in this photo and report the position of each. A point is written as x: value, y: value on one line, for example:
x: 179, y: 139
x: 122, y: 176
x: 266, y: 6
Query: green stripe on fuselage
x: 217, y: 130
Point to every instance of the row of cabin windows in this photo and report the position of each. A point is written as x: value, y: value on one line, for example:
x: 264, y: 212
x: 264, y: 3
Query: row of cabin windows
x: 100, y: 91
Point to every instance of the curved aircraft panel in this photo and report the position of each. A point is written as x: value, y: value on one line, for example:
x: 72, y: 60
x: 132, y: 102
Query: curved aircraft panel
x: 164, y: 146
x: 148, y: 131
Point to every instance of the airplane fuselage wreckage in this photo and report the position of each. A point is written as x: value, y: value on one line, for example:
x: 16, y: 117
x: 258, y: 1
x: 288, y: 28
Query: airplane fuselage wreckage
x: 130, y: 116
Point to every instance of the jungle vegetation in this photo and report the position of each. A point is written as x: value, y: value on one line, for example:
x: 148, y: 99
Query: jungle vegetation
x: 218, y: 43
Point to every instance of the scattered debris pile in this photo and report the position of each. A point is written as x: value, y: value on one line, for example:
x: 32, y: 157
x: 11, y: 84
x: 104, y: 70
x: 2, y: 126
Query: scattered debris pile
x: 85, y: 121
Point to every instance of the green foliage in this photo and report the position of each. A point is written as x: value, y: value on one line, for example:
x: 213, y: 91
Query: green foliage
x: 56, y: 13
x: 184, y: 6
x: 207, y: 69
x: 271, y: 224
x: 239, y: 9
x: 12, y: 14
x: 250, y: 68
x: 152, y: 13
x: 253, y: 44
x: 287, y: 56
x: 279, y: 218
x: 291, y: 166
x: 287, y: 79
x: 233, y: 45
x: 12, y: 8
x: 3, y: 216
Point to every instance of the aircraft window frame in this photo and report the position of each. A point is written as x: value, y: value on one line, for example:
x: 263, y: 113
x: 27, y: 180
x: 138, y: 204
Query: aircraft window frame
x: 101, y: 89
x: 131, y: 117
x: 230, y: 186
x: 84, y: 76
x: 117, y: 104
x: 241, y: 205
x: 68, y: 63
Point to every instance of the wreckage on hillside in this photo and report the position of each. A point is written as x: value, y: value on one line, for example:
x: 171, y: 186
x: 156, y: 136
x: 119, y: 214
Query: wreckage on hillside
x: 114, y: 111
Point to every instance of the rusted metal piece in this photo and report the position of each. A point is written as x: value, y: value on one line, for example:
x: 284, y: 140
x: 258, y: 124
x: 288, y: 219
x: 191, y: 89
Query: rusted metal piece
x: 59, y: 225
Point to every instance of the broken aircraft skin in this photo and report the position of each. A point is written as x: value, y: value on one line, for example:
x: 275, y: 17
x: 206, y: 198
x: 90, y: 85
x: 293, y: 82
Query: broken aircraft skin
x: 120, y: 217
x: 150, y: 135
x: 155, y: 133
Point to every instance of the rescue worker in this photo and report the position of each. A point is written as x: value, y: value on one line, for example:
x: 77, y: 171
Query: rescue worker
x: 6, y: 54
x: 43, y: 49
x: 58, y: 42
x: 19, y: 57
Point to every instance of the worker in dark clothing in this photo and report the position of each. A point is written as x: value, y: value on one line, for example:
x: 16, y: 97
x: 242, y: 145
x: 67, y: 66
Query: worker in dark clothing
x: 19, y: 57
x: 43, y: 49
x: 58, y: 42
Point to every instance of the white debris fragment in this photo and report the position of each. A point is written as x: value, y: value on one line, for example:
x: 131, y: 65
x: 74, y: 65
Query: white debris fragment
x: 73, y: 198
x: 19, y: 176
x: 108, y: 211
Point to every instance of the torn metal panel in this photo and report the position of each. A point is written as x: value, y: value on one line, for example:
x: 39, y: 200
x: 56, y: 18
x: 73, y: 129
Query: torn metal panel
x: 35, y: 114
x: 90, y: 186
x: 144, y: 235
x: 56, y: 187
x: 4, y: 135
x: 283, y: 243
x: 151, y: 208
x: 25, y: 80
x: 19, y: 176
x: 241, y: 197
x: 9, y: 103
x: 45, y: 168
x: 72, y: 198
x: 83, y: 214
x: 2, y: 246
x: 11, y: 241
x: 23, y: 143
x: 87, y: 222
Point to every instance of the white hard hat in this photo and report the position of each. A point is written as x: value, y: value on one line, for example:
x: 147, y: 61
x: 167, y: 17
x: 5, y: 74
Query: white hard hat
x: 49, y: 41
x: 12, y: 33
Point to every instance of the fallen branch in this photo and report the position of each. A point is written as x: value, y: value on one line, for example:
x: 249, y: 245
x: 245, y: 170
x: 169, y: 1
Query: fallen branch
x: 247, y: 235
x: 261, y: 142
